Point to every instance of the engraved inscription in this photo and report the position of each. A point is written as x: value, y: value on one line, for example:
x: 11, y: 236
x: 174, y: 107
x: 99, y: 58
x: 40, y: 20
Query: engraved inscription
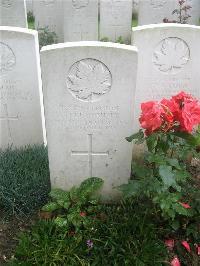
x: 158, y: 3
x: 90, y: 153
x: 7, y: 58
x: 6, y: 3
x: 12, y: 90
x: 89, y: 117
x: 117, y: 7
x: 89, y: 79
x: 171, y: 55
x: 80, y: 3
x: 48, y: 2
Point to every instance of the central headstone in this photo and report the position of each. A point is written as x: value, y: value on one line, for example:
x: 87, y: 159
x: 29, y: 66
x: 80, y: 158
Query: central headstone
x: 116, y: 20
x: 20, y: 88
x: 88, y: 94
x: 13, y: 13
x: 80, y: 20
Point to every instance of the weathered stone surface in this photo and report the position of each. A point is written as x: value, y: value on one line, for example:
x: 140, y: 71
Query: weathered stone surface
x: 154, y: 11
x: 116, y: 20
x: 13, y: 13
x: 88, y: 95
x: 20, y: 88
x: 81, y: 20
x: 29, y: 5
x: 49, y: 13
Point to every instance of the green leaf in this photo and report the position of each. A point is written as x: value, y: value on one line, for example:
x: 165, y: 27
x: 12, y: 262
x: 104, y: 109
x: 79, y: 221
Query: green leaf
x: 50, y: 207
x: 139, y: 136
x: 155, y: 158
x: 152, y: 142
x: 167, y: 175
x: 89, y: 186
x: 175, y: 224
x: 141, y: 170
x: 192, y: 140
x: 130, y: 189
x: 174, y: 162
x: 59, y: 194
x: 61, y: 222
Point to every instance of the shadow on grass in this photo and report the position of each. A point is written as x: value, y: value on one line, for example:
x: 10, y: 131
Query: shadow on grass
x: 24, y: 179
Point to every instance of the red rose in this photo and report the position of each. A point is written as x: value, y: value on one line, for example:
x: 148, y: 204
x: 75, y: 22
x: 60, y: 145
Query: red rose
x: 150, y: 118
x: 186, y: 245
x: 185, y: 205
x: 82, y: 214
x: 175, y: 262
x: 169, y: 243
x: 190, y: 116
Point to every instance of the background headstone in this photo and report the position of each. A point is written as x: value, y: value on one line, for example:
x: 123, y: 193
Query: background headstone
x: 168, y: 62
x: 81, y: 20
x: 135, y: 7
x: 116, y: 20
x: 13, y: 13
x: 195, y: 12
x: 88, y: 95
x: 49, y: 13
x: 29, y: 5
x: 154, y: 11
x: 20, y: 88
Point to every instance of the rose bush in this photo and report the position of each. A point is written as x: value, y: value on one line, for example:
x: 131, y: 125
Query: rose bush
x: 171, y: 132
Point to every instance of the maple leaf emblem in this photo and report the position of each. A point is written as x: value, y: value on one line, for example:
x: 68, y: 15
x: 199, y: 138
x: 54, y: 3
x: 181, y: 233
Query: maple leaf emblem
x: 6, y: 3
x: 91, y: 78
x: 172, y: 54
x: 80, y: 3
x: 158, y: 3
x: 7, y: 58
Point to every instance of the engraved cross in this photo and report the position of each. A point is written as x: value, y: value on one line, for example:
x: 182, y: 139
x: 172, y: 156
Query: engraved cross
x: 82, y: 31
x: 117, y: 28
x: 8, y: 118
x: 90, y: 153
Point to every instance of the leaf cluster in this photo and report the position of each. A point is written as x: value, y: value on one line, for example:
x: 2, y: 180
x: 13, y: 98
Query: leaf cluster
x: 75, y: 207
x: 164, y: 175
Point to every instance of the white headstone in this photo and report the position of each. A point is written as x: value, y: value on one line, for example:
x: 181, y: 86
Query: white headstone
x: 29, y: 5
x: 116, y: 20
x: 155, y: 11
x: 135, y: 7
x: 49, y: 13
x: 88, y: 95
x: 20, y: 88
x: 194, y: 12
x: 168, y: 61
x: 13, y: 13
x: 81, y: 20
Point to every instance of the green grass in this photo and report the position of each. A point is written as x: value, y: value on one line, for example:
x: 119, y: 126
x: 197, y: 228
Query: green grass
x: 122, y: 237
x: 24, y: 179
x: 134, y: 22
x: 31, y: 25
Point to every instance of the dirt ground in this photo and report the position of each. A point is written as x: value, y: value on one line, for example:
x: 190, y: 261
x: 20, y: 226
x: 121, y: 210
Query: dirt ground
x: 9, y: 229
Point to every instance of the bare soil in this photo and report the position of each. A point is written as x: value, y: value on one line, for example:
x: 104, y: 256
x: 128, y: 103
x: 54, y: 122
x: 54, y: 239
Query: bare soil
x: 10, y: 227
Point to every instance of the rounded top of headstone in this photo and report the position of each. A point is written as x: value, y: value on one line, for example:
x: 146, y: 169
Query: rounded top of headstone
x: 89, y: 44
x: 164, y: 26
